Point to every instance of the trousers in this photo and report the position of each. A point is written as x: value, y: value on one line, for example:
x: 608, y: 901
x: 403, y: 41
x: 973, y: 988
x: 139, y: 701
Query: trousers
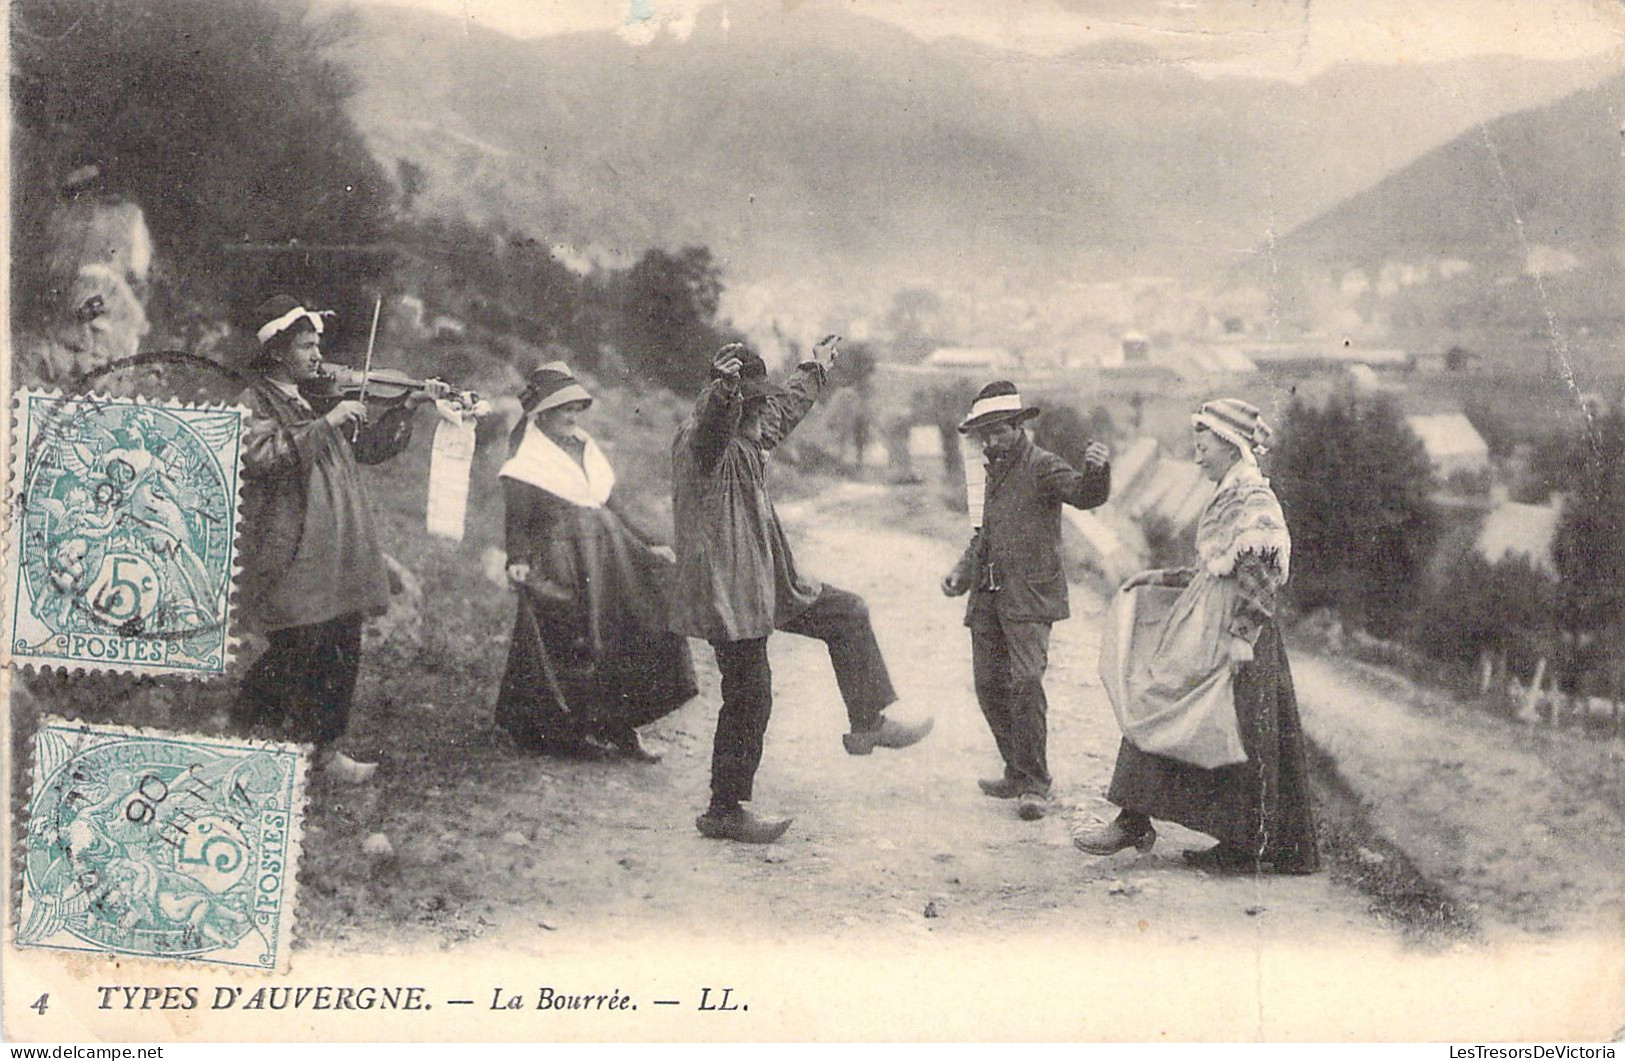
x: 304, y: 683
x: 839, y: 619
x: 1008, y: 660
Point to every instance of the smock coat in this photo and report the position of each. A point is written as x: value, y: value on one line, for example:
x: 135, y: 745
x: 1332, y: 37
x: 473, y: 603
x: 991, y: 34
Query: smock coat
x: 1021, y: 534
x: 736, y: 577
x: 308, y: 546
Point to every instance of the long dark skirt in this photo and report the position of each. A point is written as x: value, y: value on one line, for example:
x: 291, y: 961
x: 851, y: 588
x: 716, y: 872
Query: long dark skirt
x: 556, y: 690
x: 590, y: 655
x: 1260, y: 806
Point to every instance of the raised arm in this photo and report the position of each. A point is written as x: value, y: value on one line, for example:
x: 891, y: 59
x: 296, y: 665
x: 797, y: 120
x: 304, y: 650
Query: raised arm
x: 785, y: 411
x: 715, y: 419
x: 1086, y: 489
x: 801, y: 391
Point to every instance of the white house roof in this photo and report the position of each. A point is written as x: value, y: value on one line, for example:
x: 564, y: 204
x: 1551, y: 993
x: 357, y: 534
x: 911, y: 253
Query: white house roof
x: 1364, y: 377
x: 1449, y: 436
x: 1135, y: 459
x: 971, y: 357
x: 1512, y: 529
x: 1210, y: 361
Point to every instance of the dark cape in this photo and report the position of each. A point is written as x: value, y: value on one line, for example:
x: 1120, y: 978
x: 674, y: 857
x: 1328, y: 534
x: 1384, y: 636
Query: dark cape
x: 590, y: 654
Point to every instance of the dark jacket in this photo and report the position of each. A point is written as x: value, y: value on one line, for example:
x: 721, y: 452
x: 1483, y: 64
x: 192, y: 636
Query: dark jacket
x: 736, y: 579
x: 1018, y: 549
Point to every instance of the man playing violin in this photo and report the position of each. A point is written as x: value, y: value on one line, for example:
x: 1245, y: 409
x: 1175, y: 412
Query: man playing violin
x: 311, y: 568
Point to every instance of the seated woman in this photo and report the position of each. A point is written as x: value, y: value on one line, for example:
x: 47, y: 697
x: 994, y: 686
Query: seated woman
x: 590, y: 659
x: 1200, y: 683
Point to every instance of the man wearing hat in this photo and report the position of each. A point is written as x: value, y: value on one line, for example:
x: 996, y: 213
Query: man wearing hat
x: 1012, y: 571
x: 737, y: 582
x: 311, y: 568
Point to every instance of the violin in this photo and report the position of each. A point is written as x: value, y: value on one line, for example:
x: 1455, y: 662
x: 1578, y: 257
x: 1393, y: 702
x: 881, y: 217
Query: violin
x: 389, y: 387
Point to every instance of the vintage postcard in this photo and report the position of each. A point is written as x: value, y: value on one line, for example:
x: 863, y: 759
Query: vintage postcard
x: 708, y: 520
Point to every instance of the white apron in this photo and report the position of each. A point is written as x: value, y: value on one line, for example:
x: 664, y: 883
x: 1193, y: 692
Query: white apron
x: 1165, y: 663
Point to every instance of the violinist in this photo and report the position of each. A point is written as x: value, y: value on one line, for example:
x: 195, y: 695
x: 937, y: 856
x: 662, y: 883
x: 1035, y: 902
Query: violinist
x: 311, y: 567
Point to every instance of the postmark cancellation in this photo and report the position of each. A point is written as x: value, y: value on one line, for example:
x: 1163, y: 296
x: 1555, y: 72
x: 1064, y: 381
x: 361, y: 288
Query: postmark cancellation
x: 121, y: 537
x: 160, y: 846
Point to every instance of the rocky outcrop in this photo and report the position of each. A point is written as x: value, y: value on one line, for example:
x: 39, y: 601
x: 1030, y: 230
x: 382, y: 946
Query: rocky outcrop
x: 99, y: 263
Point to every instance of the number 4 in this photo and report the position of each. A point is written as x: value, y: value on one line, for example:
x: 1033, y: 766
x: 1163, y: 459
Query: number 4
x: 40, y: 1003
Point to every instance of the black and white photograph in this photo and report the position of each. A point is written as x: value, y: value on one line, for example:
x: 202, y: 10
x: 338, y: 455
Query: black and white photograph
x: 540, y: 521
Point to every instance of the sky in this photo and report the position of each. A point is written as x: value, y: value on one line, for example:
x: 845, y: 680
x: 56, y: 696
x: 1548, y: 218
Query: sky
x: 1269, y: 37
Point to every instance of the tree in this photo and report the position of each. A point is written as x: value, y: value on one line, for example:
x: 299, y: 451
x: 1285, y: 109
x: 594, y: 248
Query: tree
x: 1475, y: 609
x: 1353, y: 482
x: 915, y: 323
x: 1063, y: 432
x: 413, y: 182
x: 668, y: 306
x: 224, y: 120
x: 1589, y: 547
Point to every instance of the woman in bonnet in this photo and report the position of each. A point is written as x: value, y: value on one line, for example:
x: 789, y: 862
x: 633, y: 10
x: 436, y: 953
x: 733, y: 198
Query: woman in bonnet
x: 590, y: 659
x: 1193, y: 662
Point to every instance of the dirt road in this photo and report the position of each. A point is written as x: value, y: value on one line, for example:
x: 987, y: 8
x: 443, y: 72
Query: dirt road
x: 896, y: 868
x: 895, y: 845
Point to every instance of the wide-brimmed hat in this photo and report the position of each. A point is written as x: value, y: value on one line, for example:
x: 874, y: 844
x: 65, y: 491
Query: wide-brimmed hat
x: 753, y: 381
x: 550, y: 386
x: 1237, y: 422
x: 997, y: 401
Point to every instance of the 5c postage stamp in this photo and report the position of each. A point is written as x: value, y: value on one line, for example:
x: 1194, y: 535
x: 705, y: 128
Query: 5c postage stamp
x: 121, y: 546
x: 162, y: 846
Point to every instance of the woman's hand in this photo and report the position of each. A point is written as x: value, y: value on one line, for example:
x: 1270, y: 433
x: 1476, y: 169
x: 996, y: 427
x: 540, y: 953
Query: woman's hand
x: 1144, y: 578
x: 518, y: 574
x: 1241, y: 651
x: 665, y: 552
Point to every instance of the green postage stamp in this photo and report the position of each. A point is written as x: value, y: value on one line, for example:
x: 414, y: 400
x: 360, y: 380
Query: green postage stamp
x: 121, y: 543
x: 162, y: 846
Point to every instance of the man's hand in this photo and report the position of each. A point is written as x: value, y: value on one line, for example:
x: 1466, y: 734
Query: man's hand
x: 433, y: 390
x: 827, y: 351
x: 517, y: 574
x: 955, y: 584
x: 1241, y: 651
x: 728, y: 361
x: 665, y: 552
x: 1096, y: 454
x: 346, y: 413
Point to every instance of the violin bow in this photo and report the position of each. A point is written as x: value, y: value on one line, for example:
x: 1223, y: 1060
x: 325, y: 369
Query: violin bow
x: 366, y: 369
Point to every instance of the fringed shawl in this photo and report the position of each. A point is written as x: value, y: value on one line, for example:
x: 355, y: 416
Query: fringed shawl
x: 1243, y: 517
x: 540, y: 461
